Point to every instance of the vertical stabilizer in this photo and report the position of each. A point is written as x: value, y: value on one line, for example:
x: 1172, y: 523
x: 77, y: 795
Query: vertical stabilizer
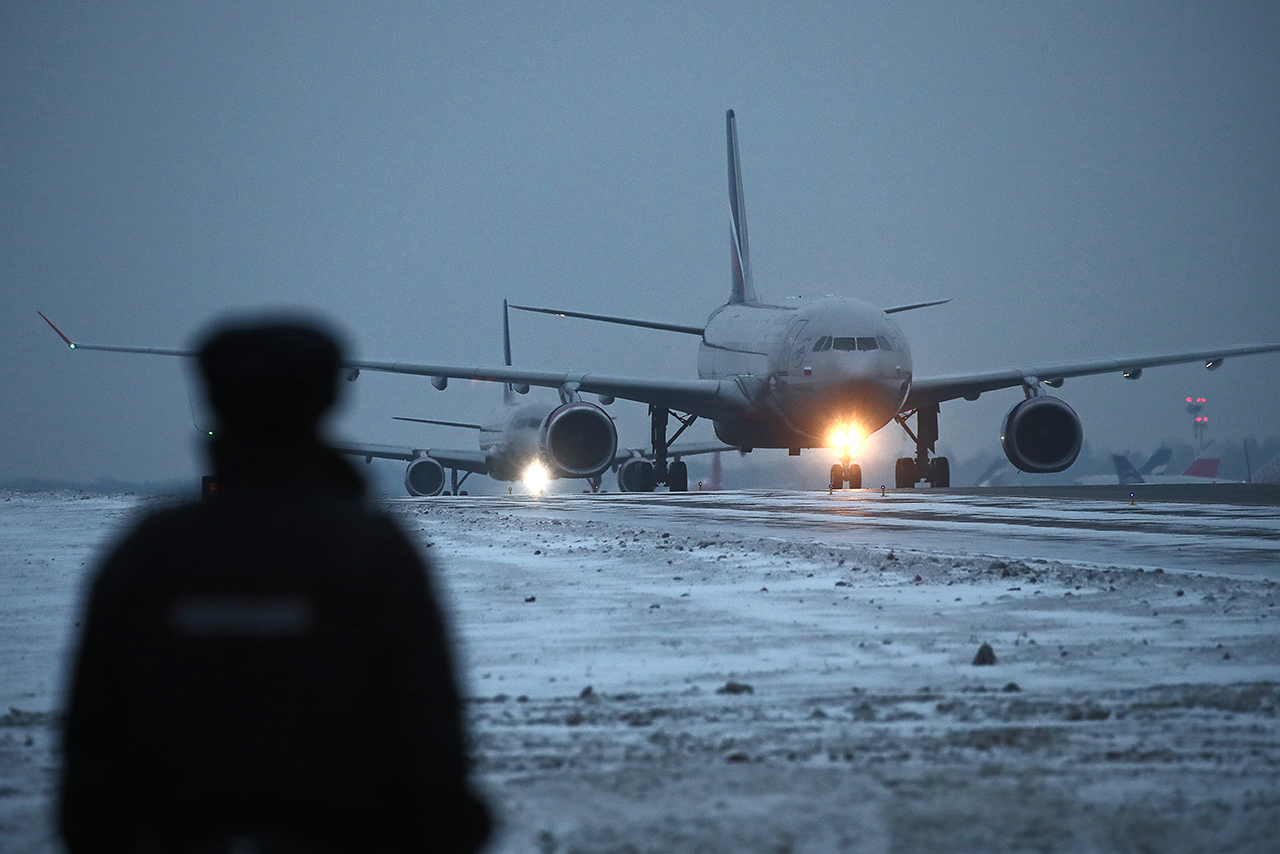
x: 743, y: 289
x: 508, y: 392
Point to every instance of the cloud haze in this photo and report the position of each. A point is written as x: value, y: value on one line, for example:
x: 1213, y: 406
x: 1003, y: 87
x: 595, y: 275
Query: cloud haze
x: 1083, y: 179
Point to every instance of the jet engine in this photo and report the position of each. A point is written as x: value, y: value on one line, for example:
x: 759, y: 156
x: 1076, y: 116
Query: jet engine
x: 636, y: 475
x: 1041, y: 435
x: 424, y: 476
x: 578, y: 440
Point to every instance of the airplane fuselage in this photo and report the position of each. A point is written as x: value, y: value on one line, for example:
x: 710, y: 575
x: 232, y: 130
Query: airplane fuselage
x: 807, y: 369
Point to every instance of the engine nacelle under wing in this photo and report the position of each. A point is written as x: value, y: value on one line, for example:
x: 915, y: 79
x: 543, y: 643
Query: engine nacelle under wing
x: 1041, y: 435
x: 636, y: 475
x: 578, y: 439
x: 424, y: 476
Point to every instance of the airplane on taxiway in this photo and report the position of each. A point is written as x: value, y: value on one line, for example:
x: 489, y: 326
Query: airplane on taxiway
x: 824, y: 374
x: 517, y: 440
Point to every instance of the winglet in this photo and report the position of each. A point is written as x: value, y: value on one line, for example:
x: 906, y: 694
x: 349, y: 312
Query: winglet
x: 68, y: 341
x: 743, y: 289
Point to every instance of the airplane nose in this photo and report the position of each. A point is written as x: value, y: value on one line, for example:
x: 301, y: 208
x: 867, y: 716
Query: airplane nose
x: 866, y: 401
x: 856, y: 378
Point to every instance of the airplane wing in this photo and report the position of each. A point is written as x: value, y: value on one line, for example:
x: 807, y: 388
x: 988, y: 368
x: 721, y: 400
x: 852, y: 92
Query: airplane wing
x: 712, y: 399
x: 932, y: 390
x: 462, y: 460
x: 719, y: 399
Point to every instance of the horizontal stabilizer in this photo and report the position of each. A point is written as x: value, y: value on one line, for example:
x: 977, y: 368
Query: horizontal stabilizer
x: 675, y: 452
x: 441, y: 423
x: 473, y: 461
x: 624, y: 321
x: 915, y: 305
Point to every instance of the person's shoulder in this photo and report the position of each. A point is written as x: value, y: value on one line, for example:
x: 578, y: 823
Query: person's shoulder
x: 164, y: 520
x: 348, y: 516
x: 143, y: 544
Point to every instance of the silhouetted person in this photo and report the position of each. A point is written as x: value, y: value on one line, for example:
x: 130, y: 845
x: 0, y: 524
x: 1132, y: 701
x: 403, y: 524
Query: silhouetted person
x: 267, y: 671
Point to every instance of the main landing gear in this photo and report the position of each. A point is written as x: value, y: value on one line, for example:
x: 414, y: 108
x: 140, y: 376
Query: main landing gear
x: 846, y: 472
x: 908, y: 472
x: 675, y: 474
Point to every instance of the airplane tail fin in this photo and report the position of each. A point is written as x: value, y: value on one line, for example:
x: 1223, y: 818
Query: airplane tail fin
x: 743, y: 290
x: 1270, y: 473
x: 508, y: 390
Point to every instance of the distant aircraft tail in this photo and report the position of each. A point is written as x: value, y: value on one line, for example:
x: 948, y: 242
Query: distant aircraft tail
x: 1204, y: 467
x: 1156, y: 460
x: 743, y: 290
x: 1125, y: 471
x: 1270, y: 473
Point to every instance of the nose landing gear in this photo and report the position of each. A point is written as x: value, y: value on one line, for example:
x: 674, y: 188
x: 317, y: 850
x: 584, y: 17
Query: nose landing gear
x: 846, y: 472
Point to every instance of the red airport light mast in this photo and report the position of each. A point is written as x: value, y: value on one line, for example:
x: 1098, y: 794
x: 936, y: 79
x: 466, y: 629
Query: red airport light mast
x: 1198, y: 422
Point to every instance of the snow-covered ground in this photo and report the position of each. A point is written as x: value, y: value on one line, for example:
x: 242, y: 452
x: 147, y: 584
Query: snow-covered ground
x: 794, y: 671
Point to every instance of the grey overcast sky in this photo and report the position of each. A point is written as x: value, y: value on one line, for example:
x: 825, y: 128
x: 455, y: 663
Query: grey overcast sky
x: 1083, y: 178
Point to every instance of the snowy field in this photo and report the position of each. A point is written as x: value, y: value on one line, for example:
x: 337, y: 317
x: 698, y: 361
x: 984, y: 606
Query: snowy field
x: 794, y: 672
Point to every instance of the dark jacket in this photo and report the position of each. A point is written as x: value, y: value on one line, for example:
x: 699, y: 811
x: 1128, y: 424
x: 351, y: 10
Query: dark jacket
x: 270, y: 663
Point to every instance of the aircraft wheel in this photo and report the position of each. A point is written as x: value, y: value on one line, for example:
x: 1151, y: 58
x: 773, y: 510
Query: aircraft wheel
x: 678, y: 477
x: 853, y: 474
x: 837, y: 476
x: 904, y: 473
x: 940, y: 472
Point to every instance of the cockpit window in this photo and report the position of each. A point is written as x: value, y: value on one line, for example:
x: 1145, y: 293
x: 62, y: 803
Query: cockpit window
x: 885, y: 344
x: 850, y: 344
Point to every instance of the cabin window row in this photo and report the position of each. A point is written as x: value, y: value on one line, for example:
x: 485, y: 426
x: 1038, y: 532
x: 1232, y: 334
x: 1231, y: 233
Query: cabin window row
x: 865, y: 342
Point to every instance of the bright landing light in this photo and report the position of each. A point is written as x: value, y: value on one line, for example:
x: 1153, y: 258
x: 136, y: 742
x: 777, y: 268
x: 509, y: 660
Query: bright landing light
x: 845, y: 440
x: 536, y: 477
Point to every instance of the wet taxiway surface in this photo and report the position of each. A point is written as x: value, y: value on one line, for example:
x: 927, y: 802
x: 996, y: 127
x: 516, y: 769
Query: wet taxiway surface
x: 772, y: 671
x: 1226, y: 539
